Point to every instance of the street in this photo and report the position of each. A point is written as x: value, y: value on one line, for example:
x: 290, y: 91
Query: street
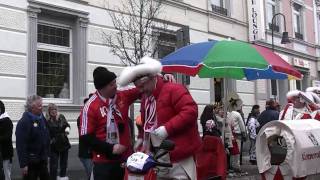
x: 76, y: 171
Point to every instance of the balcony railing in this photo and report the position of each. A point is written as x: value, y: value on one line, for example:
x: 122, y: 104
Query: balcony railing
x: 275, y: 27
x: 298, y: 35
x: 219, y: 9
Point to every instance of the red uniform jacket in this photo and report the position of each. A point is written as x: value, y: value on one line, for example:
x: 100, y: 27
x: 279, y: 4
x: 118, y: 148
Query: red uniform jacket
x: 178, y: 113
x: 93, y: 119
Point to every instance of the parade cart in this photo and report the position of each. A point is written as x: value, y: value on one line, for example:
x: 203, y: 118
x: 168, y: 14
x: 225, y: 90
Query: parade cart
x: 289, y: 149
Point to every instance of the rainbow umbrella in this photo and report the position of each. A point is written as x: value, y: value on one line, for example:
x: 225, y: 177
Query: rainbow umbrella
x: 229, y: 59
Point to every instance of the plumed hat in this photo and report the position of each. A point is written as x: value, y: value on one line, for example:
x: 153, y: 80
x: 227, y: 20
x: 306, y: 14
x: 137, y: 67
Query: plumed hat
x: 313, y: 89
x: 147, y: 67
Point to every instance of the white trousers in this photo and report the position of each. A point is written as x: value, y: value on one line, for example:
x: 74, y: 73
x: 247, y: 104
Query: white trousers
x: 183, y: 170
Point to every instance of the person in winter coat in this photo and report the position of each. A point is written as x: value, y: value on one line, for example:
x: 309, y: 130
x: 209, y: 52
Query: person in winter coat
x: 169, y: 112
x: 59, y: 130
x: 269, y: 114
x: 298, y: 106
x: 6, y: 147
x: 238, y: 130
x: 33, y: 141
x: 253, y: 124
x: 208, y: 114
x: 104, y: 125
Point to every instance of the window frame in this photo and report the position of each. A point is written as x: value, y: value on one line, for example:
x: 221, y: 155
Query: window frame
x: 59, y: 49
x: 222, y: 3
x: 221, y: 9
x: 78, y: 20
x: 278, y: 23
x: 301, y: 18
x: 277, y: 89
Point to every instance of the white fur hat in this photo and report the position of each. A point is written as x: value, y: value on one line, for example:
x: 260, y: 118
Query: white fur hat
x: 293, y: 93
x: 149, y: 66
x: 306, y: 96
x: 315, y: 98
x: 313, y: 89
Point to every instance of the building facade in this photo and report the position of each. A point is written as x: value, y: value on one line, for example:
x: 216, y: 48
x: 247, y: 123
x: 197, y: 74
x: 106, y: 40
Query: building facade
x: 51, y: 48
x: 301, y: 21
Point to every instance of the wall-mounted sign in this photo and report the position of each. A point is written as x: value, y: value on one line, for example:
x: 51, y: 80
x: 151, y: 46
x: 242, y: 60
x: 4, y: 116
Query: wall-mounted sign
x: 256, y: 20
x: 301, y: 63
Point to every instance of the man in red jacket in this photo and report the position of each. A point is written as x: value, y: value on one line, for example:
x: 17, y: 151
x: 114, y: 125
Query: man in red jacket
x: 169, y: 112
x: 104, y: 125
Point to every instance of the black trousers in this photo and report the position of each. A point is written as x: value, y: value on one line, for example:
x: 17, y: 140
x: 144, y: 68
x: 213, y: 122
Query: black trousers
x: 55, y: 158
x: 104, y: 171
x: 37, y: 170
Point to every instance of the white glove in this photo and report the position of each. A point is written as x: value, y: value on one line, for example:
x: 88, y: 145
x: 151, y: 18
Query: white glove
x: 161, y: 132
x: 137, y: 144
x: 67, y: 130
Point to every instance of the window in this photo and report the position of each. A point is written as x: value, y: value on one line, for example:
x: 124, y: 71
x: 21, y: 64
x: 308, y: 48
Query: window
x: 218, y: 89
x: 318, y: 23
x: 274, y: 88
x: 57, y: 53
x: 298, y: 85
x: 272, y: 9
x: 54, y: 56
x: 218, y: 6
x: 297, y: 21
x: 166, y: 43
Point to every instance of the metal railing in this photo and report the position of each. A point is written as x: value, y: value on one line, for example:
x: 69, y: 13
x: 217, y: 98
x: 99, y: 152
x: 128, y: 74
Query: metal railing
x: 298, y: 35
x: 219, y: 9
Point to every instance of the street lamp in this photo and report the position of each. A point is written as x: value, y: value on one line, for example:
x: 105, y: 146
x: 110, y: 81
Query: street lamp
x: 285, y: 37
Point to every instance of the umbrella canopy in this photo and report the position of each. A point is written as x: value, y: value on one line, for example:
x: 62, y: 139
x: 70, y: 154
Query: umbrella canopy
x: 229, y: 59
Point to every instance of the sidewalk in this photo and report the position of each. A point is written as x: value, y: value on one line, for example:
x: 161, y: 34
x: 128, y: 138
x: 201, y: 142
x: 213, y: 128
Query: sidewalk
x: 253, y: 173
x: 75, y: 169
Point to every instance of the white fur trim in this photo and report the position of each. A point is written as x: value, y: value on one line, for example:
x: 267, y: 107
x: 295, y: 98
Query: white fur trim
x: 149, y: 66
x: 312, y: 89
x: 308, y: 97
x: 314, y: 97
x: 293, y: 93
x: 67, y: 130
x: 4, y: 115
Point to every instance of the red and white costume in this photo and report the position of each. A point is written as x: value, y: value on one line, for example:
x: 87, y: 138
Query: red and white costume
x: 93, y: 120
x: 291, y: 113
x: 283, y: 171
x: 314, y: 93
x: 171, y: 108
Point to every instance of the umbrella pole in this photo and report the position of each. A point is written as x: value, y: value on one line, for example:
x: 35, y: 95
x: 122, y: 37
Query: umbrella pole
x: 224, y: 108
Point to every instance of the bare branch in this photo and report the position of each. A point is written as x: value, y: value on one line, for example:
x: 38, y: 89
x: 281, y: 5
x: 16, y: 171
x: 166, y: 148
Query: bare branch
x: 134, y: 24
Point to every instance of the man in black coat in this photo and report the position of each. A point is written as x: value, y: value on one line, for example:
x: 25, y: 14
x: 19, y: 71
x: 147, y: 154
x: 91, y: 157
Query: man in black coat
x: 6, y: 148
x: 271, y: 113
x: 32, y: 140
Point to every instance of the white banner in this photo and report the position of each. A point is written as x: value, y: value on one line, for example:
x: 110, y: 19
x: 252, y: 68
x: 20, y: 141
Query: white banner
x: 256, y: 20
